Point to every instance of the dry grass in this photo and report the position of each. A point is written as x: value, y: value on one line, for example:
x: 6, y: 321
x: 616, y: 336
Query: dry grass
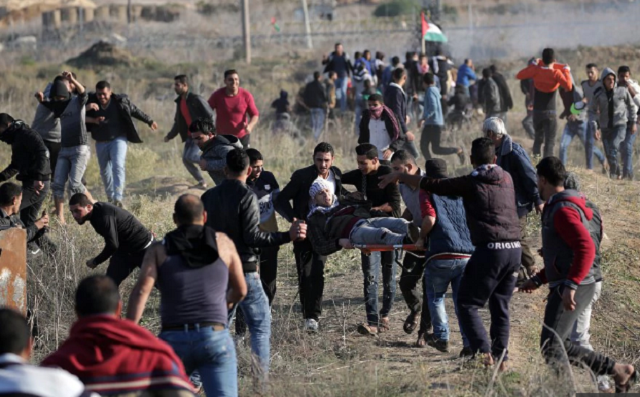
x: 336, y: 362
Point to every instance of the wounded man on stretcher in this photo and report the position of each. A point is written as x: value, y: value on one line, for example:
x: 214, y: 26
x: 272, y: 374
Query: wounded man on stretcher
x: 333, y: 225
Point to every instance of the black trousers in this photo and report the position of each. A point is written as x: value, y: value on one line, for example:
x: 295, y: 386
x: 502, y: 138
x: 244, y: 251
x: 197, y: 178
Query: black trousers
x: 246, y: 141
x: 310, y: 268
x: 431, y: 136
x: 412, y: 274
x: 122, y: 264
x: 54, y: 149
x: 269, y: 271
x: 559, y: 321
x: 545, y: 125
x: 490, y: 275
x: 30, y: 212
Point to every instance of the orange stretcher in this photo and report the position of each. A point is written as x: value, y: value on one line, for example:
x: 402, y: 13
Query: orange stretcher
x: 411, y: 249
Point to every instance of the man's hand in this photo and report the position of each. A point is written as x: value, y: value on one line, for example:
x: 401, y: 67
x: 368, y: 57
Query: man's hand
x: 356, y: 196
x: 407, y: 119
x: 153, y: 126
x: 91, y: 264
x: 634, y: 129
x: 42, y: 222
x: 203, y: 164
x: 420, y: 123
x: 39, y: 96
x: 38, y: 186
x: 528, y: 286
x: 410, y: 136
x: 345, y: 243
x: 598, y: 135
x: 567, y: 299
x: 166, y: 139
x: 571, y: 117
x: 388, y: 179
x: 539, y: 208
x: 420, y: 243
x: 93, y: 106
x: 298, y: 230
x: 386, y: 155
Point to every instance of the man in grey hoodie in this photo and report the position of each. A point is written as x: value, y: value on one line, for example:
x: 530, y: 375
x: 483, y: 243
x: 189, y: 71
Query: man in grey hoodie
x: 214, y: 148
x: 616, y: 107
x: 626, y: 149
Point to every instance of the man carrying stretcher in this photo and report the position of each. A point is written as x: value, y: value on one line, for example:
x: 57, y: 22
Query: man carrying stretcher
x: 334, y: 225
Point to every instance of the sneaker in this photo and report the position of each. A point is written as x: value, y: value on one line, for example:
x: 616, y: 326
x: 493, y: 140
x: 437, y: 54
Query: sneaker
x: 118, y: 204
x: 466, y: 352
x: 440, y: 344
x: 310, y: 325
x: 33, y: 249
x: 200, y: 185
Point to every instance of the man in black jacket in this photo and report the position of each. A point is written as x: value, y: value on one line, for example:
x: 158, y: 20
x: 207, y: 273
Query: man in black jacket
x: 30, y: 165
x: 310, y: 265
x: 506, y: 102
x: 110, y: 121
x: 189, y: 107
x: 10, y: 201
x: 238, y: 215
x: 384, y: 203
x: 315, y: 97
x: 396, y: 99
x: 338, y: 61
x: 126, y: 239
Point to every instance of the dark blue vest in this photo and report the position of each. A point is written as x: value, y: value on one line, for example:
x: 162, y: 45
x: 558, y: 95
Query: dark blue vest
x: 450, y: 233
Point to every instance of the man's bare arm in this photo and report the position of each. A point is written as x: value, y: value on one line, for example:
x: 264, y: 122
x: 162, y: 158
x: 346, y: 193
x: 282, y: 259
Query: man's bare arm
x: 237, y: 283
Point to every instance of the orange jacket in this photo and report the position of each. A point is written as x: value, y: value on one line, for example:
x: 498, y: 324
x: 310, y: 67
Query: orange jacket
x: 547, y: 79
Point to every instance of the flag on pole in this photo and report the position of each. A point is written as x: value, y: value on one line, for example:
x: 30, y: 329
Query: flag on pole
x: 275, y: 24
x: 430, y: 32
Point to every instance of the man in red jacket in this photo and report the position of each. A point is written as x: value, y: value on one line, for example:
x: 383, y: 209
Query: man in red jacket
x: 232, y: 105
x: 568, y: 252
x: 113, y: 356
x: 547, y: 76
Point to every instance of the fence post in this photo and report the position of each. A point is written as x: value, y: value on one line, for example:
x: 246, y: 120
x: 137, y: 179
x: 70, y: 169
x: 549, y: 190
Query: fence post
x: 13, y: 269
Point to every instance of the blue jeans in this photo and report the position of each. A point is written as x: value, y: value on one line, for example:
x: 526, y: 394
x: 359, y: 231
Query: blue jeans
x: 257, y: 315
x: 72, y: 162
x: 211, y: 353
x: 590, y: 145
x: 386, y: 231
x: 341, y: 92
x: 438, y: 274
x: 579, y: 129
x: 612, y: 138
x: 111, y: 158
x: 191, y: 158
x: 371, y: 269
x: 626, y: 150
x: 317, y: 121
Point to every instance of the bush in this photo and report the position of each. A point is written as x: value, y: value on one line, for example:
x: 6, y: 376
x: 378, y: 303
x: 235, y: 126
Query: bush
x: 396, y: 8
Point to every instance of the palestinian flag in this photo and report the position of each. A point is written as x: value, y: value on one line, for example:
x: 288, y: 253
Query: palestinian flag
x: 430, y: 32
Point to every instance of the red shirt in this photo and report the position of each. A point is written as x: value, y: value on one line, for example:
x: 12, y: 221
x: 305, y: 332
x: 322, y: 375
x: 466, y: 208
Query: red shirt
x: 185, y: 113
x: 231, y: 111
x: 426, y: 207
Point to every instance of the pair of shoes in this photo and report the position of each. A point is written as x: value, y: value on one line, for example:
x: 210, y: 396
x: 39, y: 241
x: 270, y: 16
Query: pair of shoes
x: 440, y: 344
x: 466, y: 352
x: 311, y: 325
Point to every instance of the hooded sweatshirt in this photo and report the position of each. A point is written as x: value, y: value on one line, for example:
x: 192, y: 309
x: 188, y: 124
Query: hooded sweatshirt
x: 568, y: 249
x: 489, y: 201
x: 615, y: 107
x: 111, y: 355
x: 215, y: 152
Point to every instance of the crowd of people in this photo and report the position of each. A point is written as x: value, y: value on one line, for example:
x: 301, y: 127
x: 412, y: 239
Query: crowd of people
x: 220, y: 263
